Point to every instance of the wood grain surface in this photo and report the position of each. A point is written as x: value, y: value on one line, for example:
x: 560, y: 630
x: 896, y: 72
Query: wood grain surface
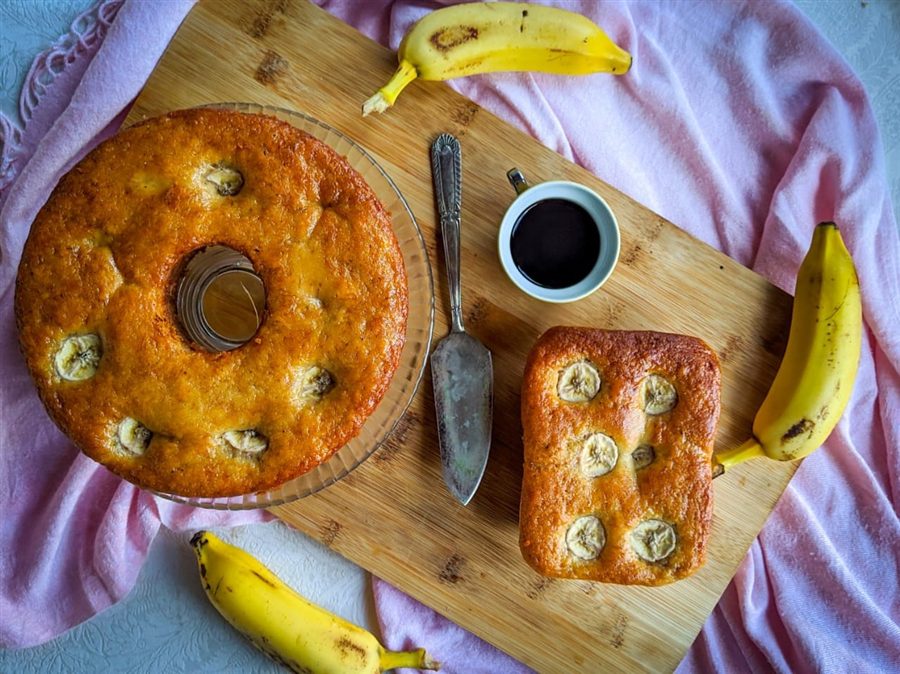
x: 393, y: 515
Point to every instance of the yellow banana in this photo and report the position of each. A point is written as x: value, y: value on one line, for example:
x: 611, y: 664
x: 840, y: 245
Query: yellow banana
x: 816, y: 376
x: 283, y: 624
x: 484, y: 37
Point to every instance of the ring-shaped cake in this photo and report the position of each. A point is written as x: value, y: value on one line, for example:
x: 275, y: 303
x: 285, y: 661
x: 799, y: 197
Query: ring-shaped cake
x: 96, y: 312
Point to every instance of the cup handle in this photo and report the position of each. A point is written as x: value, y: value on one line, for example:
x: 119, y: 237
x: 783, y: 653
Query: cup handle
x: 517, y: 180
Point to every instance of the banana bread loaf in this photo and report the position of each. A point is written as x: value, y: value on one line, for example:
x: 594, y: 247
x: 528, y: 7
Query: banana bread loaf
x: 618, y: 435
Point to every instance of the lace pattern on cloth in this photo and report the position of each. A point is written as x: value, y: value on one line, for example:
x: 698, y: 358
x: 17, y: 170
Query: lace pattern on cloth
x: 86, y: 32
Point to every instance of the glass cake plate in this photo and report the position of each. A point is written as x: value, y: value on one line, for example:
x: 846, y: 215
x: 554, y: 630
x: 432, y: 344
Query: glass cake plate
x: 420, y: 324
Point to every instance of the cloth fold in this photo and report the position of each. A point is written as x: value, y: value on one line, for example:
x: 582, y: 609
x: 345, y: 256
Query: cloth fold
x: 742, y: 125
x: 74, y: 536
x: 739, y: 123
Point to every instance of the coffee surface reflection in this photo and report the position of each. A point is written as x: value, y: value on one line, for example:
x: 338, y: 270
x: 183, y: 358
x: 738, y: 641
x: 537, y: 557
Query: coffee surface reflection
x: 555, y: 243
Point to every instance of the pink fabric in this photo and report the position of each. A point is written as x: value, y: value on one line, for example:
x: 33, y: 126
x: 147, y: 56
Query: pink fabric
x: 741, y: 124
x: 73, y: 536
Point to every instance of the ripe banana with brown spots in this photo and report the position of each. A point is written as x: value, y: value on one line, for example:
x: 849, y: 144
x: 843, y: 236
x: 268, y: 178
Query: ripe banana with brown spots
x: 484, y: 37
x: 293, y: 631
x: 816, y: 376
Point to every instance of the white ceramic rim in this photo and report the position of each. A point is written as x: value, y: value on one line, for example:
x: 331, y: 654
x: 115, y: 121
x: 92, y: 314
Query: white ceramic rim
x: 602, y: 215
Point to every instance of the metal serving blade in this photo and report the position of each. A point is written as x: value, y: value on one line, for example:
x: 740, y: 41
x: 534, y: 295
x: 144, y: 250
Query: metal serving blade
x: 461, y: 367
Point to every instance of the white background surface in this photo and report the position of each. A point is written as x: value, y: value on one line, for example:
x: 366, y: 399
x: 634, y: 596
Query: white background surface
x: 166, y: 624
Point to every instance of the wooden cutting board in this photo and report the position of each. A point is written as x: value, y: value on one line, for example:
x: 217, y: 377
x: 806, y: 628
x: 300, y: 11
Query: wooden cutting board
x: 393, y: 515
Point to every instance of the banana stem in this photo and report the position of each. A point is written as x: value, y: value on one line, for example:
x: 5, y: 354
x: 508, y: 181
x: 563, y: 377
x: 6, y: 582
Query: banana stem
x: 749, y: 450
x: 385, y: 97
x: 417, y: 659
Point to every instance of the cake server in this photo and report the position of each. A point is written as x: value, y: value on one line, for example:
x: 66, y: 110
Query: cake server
x: 461, y: 367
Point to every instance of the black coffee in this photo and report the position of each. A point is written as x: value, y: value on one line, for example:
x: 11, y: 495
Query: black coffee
x: 555, y: 243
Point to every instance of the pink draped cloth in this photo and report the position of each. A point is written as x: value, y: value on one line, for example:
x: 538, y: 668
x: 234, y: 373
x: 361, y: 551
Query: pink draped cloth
x: 742, y: 125
x: 73, y: 536
x: 739, y: 123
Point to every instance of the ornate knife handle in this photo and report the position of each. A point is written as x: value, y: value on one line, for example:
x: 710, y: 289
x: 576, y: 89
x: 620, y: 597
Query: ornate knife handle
x: 446, y: 168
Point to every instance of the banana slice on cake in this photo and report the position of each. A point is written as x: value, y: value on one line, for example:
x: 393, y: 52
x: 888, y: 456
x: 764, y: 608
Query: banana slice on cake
x: 312, y: 383
x: 133, y: 436
x: 223, y: 180
x: 598, y: 454
x: 643, y: 456
x: 586, y: 537
x: 659, y: 395
x: 78, y: 357
x: 653, y: 540
x: 578, y: 382
x: 247, y: 441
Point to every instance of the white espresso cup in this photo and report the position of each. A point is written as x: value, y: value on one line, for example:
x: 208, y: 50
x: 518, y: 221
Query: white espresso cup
x: 545, y: 246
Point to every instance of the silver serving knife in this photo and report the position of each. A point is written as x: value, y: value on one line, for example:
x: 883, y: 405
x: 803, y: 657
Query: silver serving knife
x: 461, y: 366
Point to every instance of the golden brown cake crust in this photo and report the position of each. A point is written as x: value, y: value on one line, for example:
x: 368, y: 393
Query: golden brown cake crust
x: 675, y: 488
x: 103, y: 257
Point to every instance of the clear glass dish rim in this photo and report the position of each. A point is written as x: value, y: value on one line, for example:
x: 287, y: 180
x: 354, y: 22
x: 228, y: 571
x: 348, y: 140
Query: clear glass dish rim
x: 224, y: 503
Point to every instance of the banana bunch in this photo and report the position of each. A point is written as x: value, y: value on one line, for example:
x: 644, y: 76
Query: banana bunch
x: 284, y: 625
x: 485, y: 37
x: 815, y: 379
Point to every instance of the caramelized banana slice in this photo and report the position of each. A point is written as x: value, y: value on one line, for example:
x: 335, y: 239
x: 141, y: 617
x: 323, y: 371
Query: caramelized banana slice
x: 223, y: 180
x: 586, y: 537
x: 78, y: 357
x: 247, y: 441
x: 659, y: 395
x: 653, y: 540
x: 578, y: 382
x: 133, y: 436
x: 643, y: 456
x: 598, y: 454
x: 311, y: 383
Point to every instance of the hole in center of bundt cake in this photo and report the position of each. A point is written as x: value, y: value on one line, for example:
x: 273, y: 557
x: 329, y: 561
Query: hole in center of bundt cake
x: 220, y: 299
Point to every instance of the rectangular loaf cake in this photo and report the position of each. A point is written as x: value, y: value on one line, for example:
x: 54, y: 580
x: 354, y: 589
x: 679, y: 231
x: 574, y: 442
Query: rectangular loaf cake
x: 618, y: 433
